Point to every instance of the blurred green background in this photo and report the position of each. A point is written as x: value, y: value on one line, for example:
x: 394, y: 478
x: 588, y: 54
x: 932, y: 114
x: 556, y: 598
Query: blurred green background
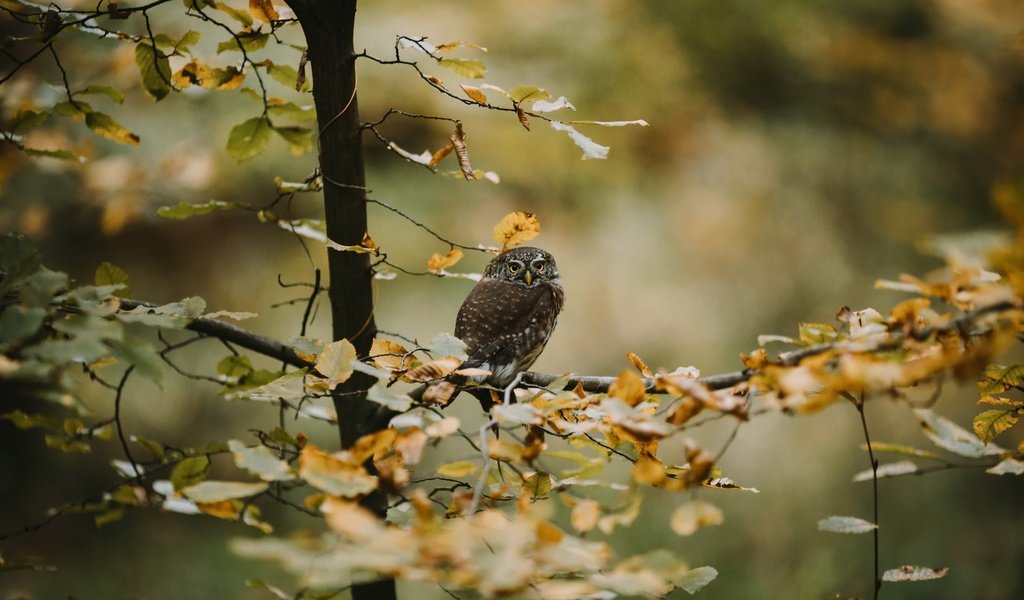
x: 796, y: 152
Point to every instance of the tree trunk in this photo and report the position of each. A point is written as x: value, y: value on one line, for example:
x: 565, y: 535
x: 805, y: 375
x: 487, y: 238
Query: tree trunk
x: 329, y: 26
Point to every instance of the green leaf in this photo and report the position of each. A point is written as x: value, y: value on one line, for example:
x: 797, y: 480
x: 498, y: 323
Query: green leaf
x: 109, y: 274
x: 817, y: 333
x: 61, y: 154
x: 284, y: 387
x: 23, y: 420
x: 537, y: 485
x: 998, y: 378
x: 104, y: 90
x: 216, y: 491
x: 156, y: 449
x: 26, y: 118
x: 142, y: 355
x: 109, y: 516
x: 914, y: 573
x: 591, y: 149
x: 286, y: 76
x: 189, y: 471
x: 950, y: 436
x: 697, y: 579
x: 104, y: 125
x: 466, y: 67
x: 76, y: 110
x: 836, y: 524
x: 248, y: 139
x: 184, y: 210
x: 260, y: 461
x: 62, y: 443
x: 299, y: 139
x: 459, y: 468
x: 234, y: 366
x: 292, y: 111
x: 901, y: 449
x: 527, y: 93
x: 335, y: 362
x: 239, y: 15
x: 18, y: 259
x: 446, y: 344
x: 191, y: 38
x: 249, y: 41
x: 154, y: 69
x: 895, y: 469
x: 990, y: 423
x: 19, y: 322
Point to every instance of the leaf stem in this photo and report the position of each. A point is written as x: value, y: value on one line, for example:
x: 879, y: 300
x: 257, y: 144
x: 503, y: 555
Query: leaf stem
x: 859, y: 403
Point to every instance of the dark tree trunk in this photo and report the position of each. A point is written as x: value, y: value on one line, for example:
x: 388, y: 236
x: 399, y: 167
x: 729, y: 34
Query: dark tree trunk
x: 329, y: 27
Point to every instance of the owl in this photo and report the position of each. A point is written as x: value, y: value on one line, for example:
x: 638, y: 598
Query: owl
x: 508, y: 317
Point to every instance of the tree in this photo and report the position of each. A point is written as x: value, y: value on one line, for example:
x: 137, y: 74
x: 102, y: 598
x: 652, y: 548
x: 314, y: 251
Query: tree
x: 52, y: 326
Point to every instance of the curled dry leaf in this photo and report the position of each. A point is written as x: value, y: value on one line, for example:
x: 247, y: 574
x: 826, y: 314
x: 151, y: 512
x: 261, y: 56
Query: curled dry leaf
x: 434, y: 370
x: 391, y: 355
x: 516, y: 228
x: 439, y: 262
x: 458, y: 139
x: 474, y: 94
x: 640, y: 365
x: 628, y: 387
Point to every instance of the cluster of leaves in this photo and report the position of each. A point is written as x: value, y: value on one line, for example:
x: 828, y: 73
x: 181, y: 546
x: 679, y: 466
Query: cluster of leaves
x: 168, y: 64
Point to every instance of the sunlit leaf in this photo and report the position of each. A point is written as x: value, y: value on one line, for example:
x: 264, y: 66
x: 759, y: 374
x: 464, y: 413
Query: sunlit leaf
x: 238, y: 15
x: 950, y: 436
x: 329, y: 473
x: 537, y: 485
x: 216, y: 491
x: 914, y: 573
x: 189, y: 471
x: 474, y: 94
x: 260, y: 461
x: 990, y: 423
x: 543, y: 106
x: 585, y: 515
x: 250, y: 41
x: 249, y: 138
x: 290, y: 110
x: 591, y: 149
x: 527, y: 93
x: 690, y: 517
x: 837, y: 524
x: 105, y: 126
x: 440, y: 262
x: 895, y: 469
x: 263, y: 10
x: 459, y: 468
x: 516, y: 228
x: 434, y: 370
x: 335, y: 362
x: 286, y: 76
x: 639, y: 122
x: 697, y: 579
x: 104, y: 90
x: 154, y: 69
x: 422, y: 158
x: 466, y: 67
x: 997, y: 379
x: 517, y: 414
x: 185, y: 210
x: 628, y: 387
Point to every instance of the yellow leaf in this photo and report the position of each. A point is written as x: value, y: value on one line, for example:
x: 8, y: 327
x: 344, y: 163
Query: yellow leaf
x: 585, y: 515
x: 440, y: 154
x: 516, y: 228
x: 389, y: 354
x: 648, y: 470
x: 435, y: 369
x: 640, y: 365
x: 690, y: 517
x: 628, y: 387
x: 335, y: 362
x: 459, y: 468
x: 504, y: 450
x: 105, y: 126
x: 474, y: 94
x: 263, y: 10
x: 333, y: 475
x: 440, y: 262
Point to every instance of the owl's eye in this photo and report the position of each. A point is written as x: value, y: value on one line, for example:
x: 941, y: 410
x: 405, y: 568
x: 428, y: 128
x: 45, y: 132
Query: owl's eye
x: 514, y: 266
x: 539, y: 264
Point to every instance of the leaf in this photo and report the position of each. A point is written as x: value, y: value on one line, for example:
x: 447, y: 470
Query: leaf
x: 950, y: 436
x: 542, y: 106
x: 997, y: 379
x: 697, y: 579
x: 154, y: 69
x: 104, y: 90
x: 249, y: 139
x: 474, y: 94
x: 335, y: 362
x: 260, y: 461
x: 639, y: 122
x: 108, y: 274
x: 61, y: 154
x: 263, y: 10
x: 423, y: 158
x: 238, y: 15
x: 516, y: 228
x: 836, y: 524
x: 914, y: 573
x: 459, y: 468
x: 439, y: 262
x: 141, y: 354
x: 383, y: 395
x: 901, y: 449
x: 466, y: 67
x: 299, y: 139
x: 105, y: 126
x: 690, y: 517
x: 216, y: 491
x: 230, y: 314
x: 435, y: 369
x: 290, y: 110
x: 537, y: 485
x: 328, y: 473
x: 26, y: 118
x: 585, y: 515
x: 286, y: 76
x: 446, y: 344
x: 817, y: 333
x: 250, y: 41
x: 990, y: 423
x: 628, y: 387
x: 1008, y: 466
x: 527, y: 93
x: 895, y: 469
x: 184, y: 210
x: 189, y: 471
x: 591, y: 149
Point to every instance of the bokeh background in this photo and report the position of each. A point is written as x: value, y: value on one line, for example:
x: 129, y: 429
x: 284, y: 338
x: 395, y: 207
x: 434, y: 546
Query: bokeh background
x: 796, y: 152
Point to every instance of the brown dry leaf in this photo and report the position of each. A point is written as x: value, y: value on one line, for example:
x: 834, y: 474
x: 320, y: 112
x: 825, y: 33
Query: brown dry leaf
x: 333, y: 475
x: 439, y: 262
x: 685, y: 409
x: 474, y: 94
x: 372, y: 445
x: 628, y: 387
x: 756, y: 359
x: 351, y: 521
x: 516, y: 228
x: 639, y: 364
x: 441, y: 154
x: 263, y: 10
x: 390, y: 355
x: 585, y: 515
x: 458, y: 140
x: 648, y: 470
x: 433, y: 370
x: 439, y: 393
x: 525, y: 122
x: 411, y: 444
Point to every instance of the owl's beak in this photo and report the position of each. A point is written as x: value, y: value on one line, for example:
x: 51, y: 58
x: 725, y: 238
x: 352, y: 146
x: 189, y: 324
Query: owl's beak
x: 528, y: 277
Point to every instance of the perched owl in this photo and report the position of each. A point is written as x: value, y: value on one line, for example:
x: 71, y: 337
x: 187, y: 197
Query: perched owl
x: 509, y: 315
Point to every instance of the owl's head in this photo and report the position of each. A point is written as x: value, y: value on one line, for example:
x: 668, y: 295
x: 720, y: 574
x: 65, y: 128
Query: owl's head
x: 523, y: 265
